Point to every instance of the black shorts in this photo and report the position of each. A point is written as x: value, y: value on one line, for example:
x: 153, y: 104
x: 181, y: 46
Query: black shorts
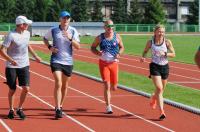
x: 66, y: 69
x: 22, y: 74
x: 159, y: 70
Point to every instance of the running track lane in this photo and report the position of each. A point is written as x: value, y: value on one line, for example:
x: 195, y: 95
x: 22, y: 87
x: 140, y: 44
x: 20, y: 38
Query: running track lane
x: 181, y: 74
x: 85, y: 103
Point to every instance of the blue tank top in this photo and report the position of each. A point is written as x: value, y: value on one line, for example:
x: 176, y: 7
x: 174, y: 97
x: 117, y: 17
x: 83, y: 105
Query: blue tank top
x: 109, y: 46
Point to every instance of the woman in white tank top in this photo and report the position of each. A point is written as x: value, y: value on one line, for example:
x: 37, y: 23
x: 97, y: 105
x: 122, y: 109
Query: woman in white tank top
x: 161, y: 49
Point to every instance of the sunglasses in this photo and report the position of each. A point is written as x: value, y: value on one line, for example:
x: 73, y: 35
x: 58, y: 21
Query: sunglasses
x: 110, y: 26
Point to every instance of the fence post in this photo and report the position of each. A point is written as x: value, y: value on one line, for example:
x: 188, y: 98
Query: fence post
x: 9, y: 27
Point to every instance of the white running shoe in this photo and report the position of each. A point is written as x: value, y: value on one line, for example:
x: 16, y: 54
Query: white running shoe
x: 109, y: 110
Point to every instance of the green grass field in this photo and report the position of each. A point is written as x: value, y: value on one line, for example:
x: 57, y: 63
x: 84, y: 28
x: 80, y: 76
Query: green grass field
x: 185, y: 46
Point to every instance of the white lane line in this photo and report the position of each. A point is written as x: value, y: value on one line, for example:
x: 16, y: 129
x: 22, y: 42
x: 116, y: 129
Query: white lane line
x: 148, y: 61
x: 143, y: 68
x: 5, y: 125
x: 137, y: 66
x: 76, y: 121
x: 69, y: 96
x: 185, y: 82
x: 121, y: 109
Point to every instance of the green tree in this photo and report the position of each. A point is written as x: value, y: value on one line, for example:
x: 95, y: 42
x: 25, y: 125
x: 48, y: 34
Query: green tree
x: 154, y: 13
x: 56, y: 6
x: 96, y: 14
x: 25, y: 7
x: 79, y: 10
x: 119, y: 12
x: 193, y: 18
x: 135, y: 14
x: 7, y: 13
x: 41, y: 12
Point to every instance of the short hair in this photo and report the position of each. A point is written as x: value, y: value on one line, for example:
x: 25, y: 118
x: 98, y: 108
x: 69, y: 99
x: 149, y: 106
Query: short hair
x: 158, y: 26
x: 106, y: 21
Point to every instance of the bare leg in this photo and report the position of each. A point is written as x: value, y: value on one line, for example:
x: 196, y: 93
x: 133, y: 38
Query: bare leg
x: 159, y: 91
x: 11, y: 98
x: 107, y: 95
x: 65, y: 83
x: 25, y: 90
x: 57, y: 90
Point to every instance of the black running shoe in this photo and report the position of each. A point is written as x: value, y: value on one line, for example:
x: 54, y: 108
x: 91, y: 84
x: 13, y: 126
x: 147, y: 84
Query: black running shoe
x: 11, y: 114
x: 162, y: 117
x: 21, y: 114
x: 58, y: 113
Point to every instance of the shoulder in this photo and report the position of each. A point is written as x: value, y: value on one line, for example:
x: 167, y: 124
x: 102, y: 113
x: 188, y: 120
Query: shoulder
x: 72, y: 28
x: 27, y: 32
x: 117, y: 35
x: 168, y: 42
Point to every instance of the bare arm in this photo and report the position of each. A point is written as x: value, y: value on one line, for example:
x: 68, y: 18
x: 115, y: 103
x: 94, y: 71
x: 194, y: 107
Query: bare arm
x: 94, y: 46
x: 3, y: 52
x: 197, y: 58
x: 50, y: 47
x: 121, y: 46
x: 30, y: 49
x: 75, y: 44
x: 171, y: 52
x: 146, y: 49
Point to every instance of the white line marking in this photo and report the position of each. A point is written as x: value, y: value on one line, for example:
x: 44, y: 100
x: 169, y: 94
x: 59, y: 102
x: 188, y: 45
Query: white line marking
x: 148, y: 61
x: 132, y: 59
x: 185, y: 82
x: 5, y: 125
x: 69, y: 96
x: 76, y: 121
x: 94, y: 58
x: 158, y: 125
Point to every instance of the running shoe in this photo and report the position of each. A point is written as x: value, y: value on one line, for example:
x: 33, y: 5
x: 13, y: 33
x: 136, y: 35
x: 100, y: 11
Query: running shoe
x: 21, y: 114
x: 109, y: 110
x: 11, y: 114
x: 162, y: 116
x: 58, y: 113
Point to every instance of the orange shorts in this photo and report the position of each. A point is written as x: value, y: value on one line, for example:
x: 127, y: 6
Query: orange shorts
x: 109, y: 71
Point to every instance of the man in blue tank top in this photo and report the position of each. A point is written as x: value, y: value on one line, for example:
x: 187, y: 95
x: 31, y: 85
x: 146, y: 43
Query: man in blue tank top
x: 111, y: 47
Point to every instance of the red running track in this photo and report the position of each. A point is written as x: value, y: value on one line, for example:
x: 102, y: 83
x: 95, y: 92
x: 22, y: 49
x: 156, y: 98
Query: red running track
x: 84, y: 108
x: 180, y: 73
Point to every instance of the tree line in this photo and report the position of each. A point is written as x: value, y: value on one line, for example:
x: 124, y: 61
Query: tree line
x: 82, y: 10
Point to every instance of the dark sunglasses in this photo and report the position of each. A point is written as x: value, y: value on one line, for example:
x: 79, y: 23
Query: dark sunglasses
x: 110, y: 26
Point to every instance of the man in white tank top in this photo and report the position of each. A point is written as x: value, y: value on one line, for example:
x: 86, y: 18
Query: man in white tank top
x: 161, y: 49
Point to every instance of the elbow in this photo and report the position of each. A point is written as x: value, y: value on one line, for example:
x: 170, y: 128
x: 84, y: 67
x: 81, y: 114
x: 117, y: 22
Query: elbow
x: 78, y: 46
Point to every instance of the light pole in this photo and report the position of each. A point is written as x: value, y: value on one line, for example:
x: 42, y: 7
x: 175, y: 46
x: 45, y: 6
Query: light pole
x: 178, y: 18
x: 199, y: 15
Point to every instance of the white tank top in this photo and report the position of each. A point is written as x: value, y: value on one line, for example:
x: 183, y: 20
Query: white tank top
x: 155, y: 51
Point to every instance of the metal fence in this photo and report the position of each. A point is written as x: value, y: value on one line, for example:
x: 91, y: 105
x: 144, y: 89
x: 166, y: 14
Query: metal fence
x: 150, y: 28
x: 125, y: 27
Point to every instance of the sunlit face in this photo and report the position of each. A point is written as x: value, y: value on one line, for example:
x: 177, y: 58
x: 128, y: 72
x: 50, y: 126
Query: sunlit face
x: 65, y: 20
x: 23, y: 26
x: 160, y: 32
x: 109, y: 26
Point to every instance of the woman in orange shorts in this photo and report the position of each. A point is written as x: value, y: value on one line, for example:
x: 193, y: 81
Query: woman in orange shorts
x: 111, y: 46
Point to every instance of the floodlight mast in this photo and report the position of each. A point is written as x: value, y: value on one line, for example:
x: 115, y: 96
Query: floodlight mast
x: 199, y: 15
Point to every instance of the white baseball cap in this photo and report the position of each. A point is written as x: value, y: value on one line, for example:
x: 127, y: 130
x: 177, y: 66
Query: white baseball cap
x: 23, y: 19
